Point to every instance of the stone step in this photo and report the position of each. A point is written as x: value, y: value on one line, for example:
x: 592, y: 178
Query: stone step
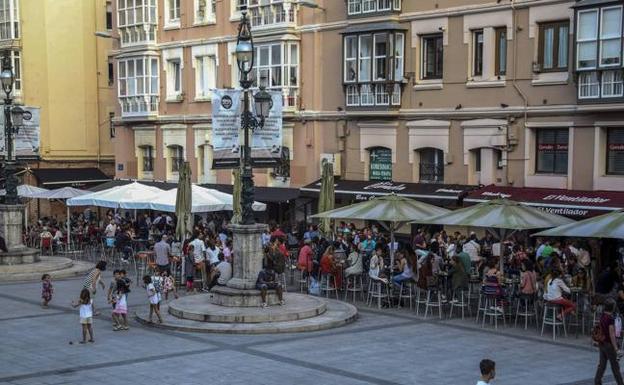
x: 337, y: 314
x: 57, y: 267
x: 200, y: 308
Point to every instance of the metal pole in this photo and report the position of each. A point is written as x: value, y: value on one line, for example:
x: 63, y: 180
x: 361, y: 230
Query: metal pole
x: 247, y: 193
x: 11, y: 179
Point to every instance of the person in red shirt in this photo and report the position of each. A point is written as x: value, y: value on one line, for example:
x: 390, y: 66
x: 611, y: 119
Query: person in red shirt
x: 329, y: 266
x: 608, y: 347
x: 306, y: 254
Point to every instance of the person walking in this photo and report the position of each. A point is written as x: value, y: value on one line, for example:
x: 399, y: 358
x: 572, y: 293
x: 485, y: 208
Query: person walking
x: 85, y: 302
x: 46, y: 290
x: 604, y: 336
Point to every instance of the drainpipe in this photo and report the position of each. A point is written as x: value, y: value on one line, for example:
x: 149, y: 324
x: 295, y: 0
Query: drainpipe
x: 97, y: 85
x: 515, y: 84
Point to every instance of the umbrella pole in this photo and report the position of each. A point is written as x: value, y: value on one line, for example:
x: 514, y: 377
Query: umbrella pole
x: 68, y: 229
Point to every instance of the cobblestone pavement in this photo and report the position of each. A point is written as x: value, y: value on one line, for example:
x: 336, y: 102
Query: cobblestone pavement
x: 381, y: 347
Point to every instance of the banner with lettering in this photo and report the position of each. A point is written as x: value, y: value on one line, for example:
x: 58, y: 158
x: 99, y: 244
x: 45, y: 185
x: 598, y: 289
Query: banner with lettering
x: 27, y: 140
x: 266, y: 141
x: 226, y: 123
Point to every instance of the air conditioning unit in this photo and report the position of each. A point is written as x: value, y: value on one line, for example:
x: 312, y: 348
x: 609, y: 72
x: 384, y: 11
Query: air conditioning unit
x: 334, y: 159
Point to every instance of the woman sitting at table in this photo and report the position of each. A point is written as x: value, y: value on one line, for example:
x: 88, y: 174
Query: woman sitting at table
x: 459, y: 276
x: 425, y: 272
x: 554, y: 294
x: 329, y: 266
x: 528, y: 279
x: 376, y: 265
x: 406, y: 266
x: 492, y: 279
x: 355, y: 263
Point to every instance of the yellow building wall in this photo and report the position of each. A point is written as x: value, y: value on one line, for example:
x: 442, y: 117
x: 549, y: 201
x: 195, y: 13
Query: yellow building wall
x: 65, y: 72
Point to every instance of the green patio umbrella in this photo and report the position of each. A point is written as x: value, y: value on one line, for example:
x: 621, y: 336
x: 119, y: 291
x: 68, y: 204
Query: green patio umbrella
x: 326, y: 195
x: 609, y: 225
x: 236, y: 196
x: 392, y: 211
x: 184, y: 225
x: 501, y: 214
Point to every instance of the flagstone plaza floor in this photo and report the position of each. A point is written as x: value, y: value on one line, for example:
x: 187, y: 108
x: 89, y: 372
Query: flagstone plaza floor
x: 381, y: 347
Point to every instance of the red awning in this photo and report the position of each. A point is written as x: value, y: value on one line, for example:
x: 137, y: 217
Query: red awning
x: 571, y: 203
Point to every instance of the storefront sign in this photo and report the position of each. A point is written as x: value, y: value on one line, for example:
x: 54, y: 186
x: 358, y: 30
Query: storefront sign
x: 380, y: 164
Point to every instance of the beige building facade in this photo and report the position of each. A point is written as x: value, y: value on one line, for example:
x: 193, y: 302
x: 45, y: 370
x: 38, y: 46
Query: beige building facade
x: 526, y: 93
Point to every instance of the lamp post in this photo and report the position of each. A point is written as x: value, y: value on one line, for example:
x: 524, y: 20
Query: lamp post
x: 13, y: 118
x: 262, y: 103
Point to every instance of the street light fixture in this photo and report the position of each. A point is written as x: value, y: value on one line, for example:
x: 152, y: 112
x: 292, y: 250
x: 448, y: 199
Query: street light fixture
x: 13, y: 119
x: 262, y: 103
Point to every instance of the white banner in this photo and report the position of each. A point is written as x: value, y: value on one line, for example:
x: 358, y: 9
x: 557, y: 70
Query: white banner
x: 266, y: 142
x: 226, y: 123
x: 27, y: 140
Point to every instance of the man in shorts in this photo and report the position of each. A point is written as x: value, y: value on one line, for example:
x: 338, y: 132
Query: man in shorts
x: 267, y: 281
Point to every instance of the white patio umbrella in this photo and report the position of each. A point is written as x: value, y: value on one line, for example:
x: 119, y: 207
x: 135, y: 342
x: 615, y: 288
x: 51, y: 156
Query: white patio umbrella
x: 63, y: 193
x: 131, y: 196
x: 26, y: 191
x: 203, y: 200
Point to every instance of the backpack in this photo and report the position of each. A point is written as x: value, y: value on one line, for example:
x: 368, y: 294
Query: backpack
x: 597, y: 335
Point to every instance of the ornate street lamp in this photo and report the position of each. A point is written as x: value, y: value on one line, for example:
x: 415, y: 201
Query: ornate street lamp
x: 13, y: 119
x: 262, y: 103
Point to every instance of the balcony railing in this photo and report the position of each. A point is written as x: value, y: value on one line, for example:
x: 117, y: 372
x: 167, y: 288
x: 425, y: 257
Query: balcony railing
x: 276, y: 12
x: 141, y: 105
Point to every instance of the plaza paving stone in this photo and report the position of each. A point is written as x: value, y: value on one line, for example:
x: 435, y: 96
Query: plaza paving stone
x: 381, y: 347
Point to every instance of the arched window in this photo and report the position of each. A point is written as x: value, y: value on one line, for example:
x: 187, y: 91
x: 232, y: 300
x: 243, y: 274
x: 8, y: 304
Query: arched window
x: 380, y: 163
x: 431, y: 166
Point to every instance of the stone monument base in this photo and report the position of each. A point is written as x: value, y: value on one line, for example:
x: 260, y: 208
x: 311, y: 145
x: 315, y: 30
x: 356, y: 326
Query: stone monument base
x: 20, y: 256
x: 300, y: 313
x: 230, y: 297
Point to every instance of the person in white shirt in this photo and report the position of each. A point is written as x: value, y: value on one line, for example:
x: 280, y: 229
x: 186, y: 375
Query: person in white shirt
x: 472, y: 248
x: 488, y: 371
x: 200, y: 260
x: 110, y: 230
x: 212, y: 253
x: 554, y: 294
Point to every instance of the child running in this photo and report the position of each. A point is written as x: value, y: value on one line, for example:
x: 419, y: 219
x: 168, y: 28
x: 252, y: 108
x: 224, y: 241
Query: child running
x: 154, y: 298
x: 86, y: 314
x: 46, y: 290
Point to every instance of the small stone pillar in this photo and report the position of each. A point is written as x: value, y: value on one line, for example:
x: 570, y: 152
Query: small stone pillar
x: 247, y: 255
x: 11, y: 225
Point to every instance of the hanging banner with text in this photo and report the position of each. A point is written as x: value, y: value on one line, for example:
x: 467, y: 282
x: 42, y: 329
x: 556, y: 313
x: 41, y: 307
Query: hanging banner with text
x: 266, y: 141
x: 27, y: 138
x: 226, y: 123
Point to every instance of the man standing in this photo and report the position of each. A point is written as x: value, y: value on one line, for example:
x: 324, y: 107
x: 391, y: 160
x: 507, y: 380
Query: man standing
x: 607, y: 345
x: 199, y: 250
x: 473, y: 249
x: 266, y: 280
x: 163, y: 252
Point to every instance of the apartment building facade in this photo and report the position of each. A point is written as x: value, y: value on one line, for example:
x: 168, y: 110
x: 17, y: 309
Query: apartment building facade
x: 522, y: 94
x: 61, y: 70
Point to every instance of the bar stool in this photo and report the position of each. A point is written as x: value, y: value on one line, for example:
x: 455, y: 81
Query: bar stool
x: 303, y: 281
x: 327, y: 284
x: 406, y: 292
x: 377, y: 289
x: 526, y: 307
x: 354, y: 285
x: 550, y: 318
x: 461, y: 301
x: 420, y: 298
x: 434, y: 299
x: 493, y: 310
